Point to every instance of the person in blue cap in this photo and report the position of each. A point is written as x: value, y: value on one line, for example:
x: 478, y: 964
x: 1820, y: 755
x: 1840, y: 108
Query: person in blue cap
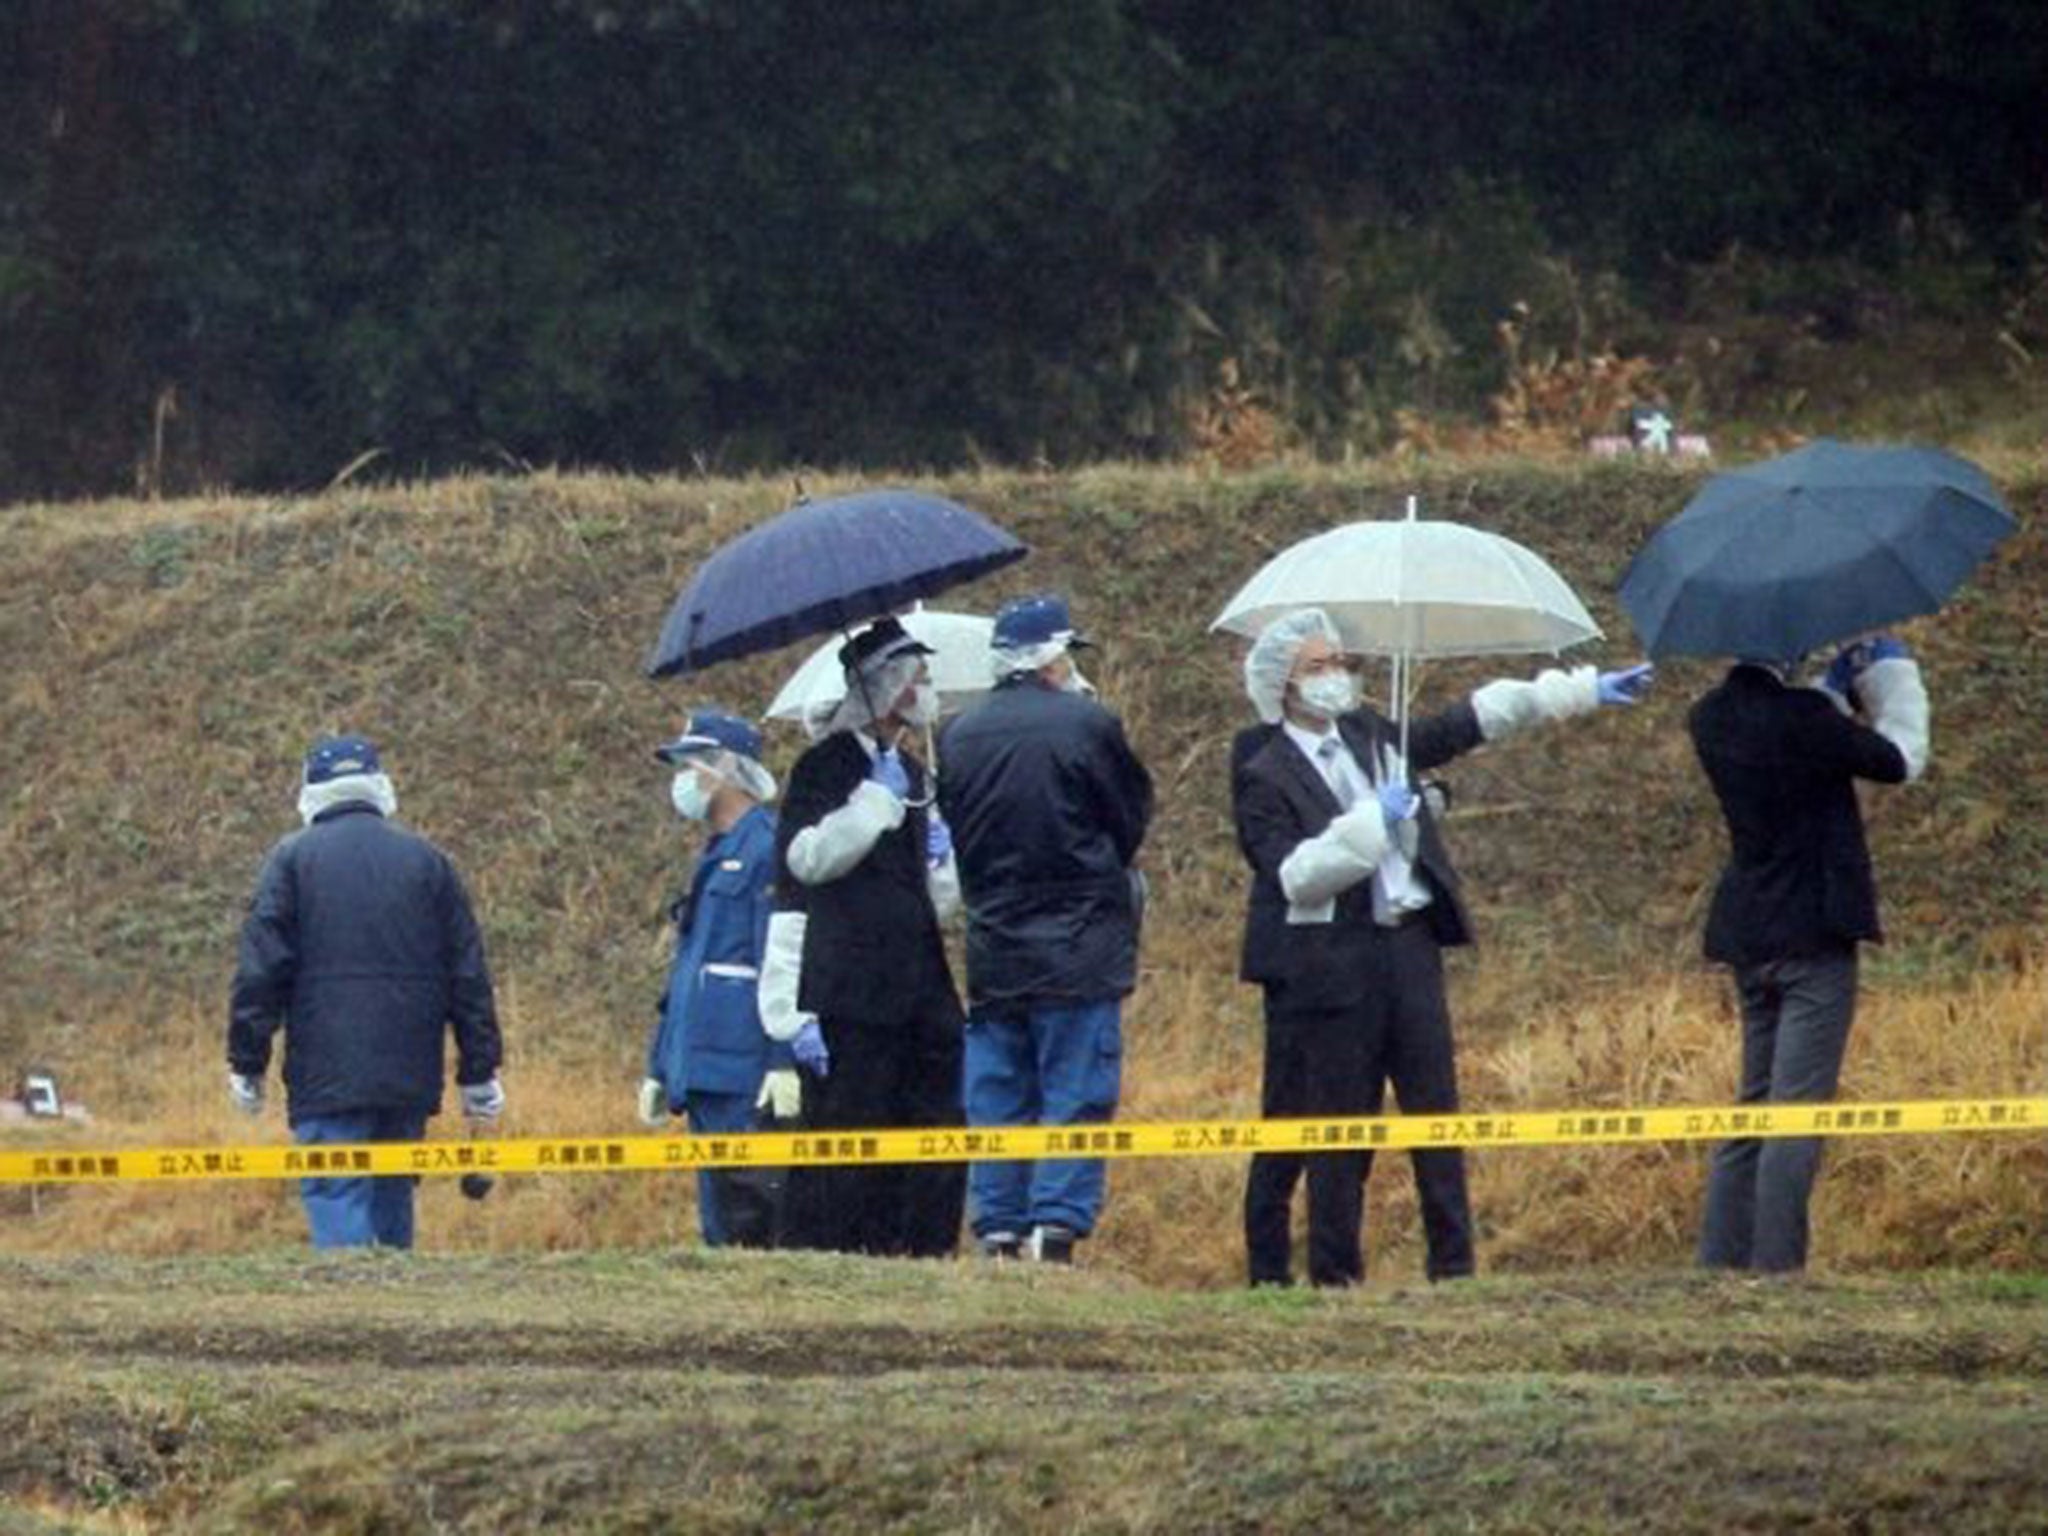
x: 710, y: 1060
x: 856, y: 976
x: 1048, y: 805
x: 360, y: 944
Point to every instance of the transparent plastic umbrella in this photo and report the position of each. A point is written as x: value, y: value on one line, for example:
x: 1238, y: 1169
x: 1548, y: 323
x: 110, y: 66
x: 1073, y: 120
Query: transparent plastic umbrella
x: 1416, y: 588
x: 959, y: 666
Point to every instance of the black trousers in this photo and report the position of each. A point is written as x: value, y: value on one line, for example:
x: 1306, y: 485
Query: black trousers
x: 1337, y: 1061
x: 881, y: 1077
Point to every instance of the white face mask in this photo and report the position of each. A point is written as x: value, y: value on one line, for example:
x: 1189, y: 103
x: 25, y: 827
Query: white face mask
x: 1328, y: 694
x: 923, y: 708
x: 689, y: 796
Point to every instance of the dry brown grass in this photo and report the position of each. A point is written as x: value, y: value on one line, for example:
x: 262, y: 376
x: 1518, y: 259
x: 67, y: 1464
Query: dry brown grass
x: 1194, y: 1054
x: 169, y: 661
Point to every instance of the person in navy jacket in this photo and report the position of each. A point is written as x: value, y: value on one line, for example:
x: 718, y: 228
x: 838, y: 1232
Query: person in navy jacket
x: 1796, y: 899
x: 710, y: 1060
x: 361, y: 945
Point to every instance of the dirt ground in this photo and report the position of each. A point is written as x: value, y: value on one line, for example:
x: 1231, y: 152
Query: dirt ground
x: 734, y: 1392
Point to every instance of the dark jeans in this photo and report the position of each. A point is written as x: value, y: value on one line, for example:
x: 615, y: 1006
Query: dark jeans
x: 1795, y: 1028
x: 1337, y: 1062
x: 737, y: 1206
x: 882, y: 1077
x: 359, y: 1212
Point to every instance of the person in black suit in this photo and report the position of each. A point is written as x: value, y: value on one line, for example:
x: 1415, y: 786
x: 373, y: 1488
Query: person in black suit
x: 855, y: 975
x: 1352, y: 898
x: 1793, y: 903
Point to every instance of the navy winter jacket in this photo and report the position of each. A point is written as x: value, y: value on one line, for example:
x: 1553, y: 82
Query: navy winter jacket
x: 1047, y: 805
x: 360, y: 942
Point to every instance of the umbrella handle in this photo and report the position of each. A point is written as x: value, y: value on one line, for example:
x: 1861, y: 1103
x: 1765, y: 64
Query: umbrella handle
x: 931, y: 772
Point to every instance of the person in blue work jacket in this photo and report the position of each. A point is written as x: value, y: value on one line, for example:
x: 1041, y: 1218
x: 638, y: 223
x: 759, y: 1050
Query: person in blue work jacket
x: 1048, y: 805
x: 710, y: 1060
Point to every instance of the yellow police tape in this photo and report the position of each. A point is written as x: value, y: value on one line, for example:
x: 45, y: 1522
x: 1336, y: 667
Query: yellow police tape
x: 1181, y: 1138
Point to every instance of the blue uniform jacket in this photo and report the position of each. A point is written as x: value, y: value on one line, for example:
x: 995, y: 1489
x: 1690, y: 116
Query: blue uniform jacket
x: 709, y: 1039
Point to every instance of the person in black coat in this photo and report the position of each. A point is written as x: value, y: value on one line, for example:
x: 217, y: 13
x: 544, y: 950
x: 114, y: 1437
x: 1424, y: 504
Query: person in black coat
x: 360, y: 943
x: 1796, y: 899
x: 1352, y: 898
x: 1048, y: 806
x: 855, y: 975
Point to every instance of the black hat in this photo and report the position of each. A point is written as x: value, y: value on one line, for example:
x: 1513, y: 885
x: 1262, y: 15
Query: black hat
x: 881, y: 641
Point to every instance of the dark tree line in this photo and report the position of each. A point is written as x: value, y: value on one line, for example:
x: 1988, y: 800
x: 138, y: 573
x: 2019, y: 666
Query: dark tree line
x: 245, y: 240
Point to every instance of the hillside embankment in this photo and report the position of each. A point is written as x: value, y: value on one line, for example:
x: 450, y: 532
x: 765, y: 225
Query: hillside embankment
x: 169, y: 662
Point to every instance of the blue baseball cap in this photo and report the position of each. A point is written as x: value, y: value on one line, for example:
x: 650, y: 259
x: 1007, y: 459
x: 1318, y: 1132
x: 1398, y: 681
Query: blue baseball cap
x: 339, y: 757
x: 711, y: 730
x: 1040, y: 619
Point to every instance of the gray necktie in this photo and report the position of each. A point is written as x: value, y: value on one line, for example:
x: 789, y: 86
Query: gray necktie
x: 1330, y: 750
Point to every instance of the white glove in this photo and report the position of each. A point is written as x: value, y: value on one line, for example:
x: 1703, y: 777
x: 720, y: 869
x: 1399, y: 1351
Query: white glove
x: 483, y: 1101
x: 782, y: 1093
x: 247, y: 1092
x: 840, y: 839
x: 653, y: 1102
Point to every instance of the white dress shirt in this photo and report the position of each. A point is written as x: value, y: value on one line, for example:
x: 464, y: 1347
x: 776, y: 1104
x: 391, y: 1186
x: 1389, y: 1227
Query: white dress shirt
x: 1397, y: 889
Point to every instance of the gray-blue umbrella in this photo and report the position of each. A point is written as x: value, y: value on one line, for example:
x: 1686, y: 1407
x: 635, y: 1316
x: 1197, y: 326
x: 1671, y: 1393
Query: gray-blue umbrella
x: 825, y: 565
x: 1775, y: 559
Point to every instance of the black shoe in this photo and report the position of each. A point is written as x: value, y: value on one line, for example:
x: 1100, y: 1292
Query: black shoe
x: 1051, y: 1245
x: 1001, y: 1245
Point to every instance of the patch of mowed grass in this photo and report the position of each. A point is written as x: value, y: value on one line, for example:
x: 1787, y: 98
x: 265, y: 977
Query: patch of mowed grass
x: 750, y: 1392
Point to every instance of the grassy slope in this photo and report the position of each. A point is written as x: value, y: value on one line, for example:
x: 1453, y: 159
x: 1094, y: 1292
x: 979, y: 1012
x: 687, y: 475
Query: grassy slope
x: 169, y: 662
x: 746, y: 1393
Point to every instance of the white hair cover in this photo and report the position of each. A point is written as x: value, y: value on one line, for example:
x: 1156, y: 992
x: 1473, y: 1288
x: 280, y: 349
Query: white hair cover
x: 1271, y: 658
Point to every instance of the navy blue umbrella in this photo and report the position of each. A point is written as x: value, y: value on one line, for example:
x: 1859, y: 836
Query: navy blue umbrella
x: 825, y: 565
x: 1775, y: 559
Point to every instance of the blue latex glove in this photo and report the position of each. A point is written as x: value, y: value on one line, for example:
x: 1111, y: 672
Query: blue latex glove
x: 1398, y: 802
x: 1851, y: 660
x: 938, y: 839
x: 889, y: 772
x: 1627, y: 685
x: 809, y: 1050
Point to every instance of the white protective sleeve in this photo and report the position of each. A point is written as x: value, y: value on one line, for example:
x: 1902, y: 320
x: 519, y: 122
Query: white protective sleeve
x: 1896, y: 700
x: 836, y: 842
x: 782, y: 967
x: 1507, y: 706
x: 944, y: 884
x: 1331, y: 862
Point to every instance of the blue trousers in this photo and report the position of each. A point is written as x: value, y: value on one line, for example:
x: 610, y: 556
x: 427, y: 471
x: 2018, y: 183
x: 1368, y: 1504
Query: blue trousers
x: 1041, y: 1066
x: 711, y: 1114
x: 354, y: 1213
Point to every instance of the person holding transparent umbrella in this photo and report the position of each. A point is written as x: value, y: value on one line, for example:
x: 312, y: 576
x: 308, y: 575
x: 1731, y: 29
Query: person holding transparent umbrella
x: 1352, y: 898
x: 855, y: 974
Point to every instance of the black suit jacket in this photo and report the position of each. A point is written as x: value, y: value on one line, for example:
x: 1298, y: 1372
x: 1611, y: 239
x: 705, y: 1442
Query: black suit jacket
x: 1280, y: 800
x: 1784, y: 763
x: 872, y: 948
